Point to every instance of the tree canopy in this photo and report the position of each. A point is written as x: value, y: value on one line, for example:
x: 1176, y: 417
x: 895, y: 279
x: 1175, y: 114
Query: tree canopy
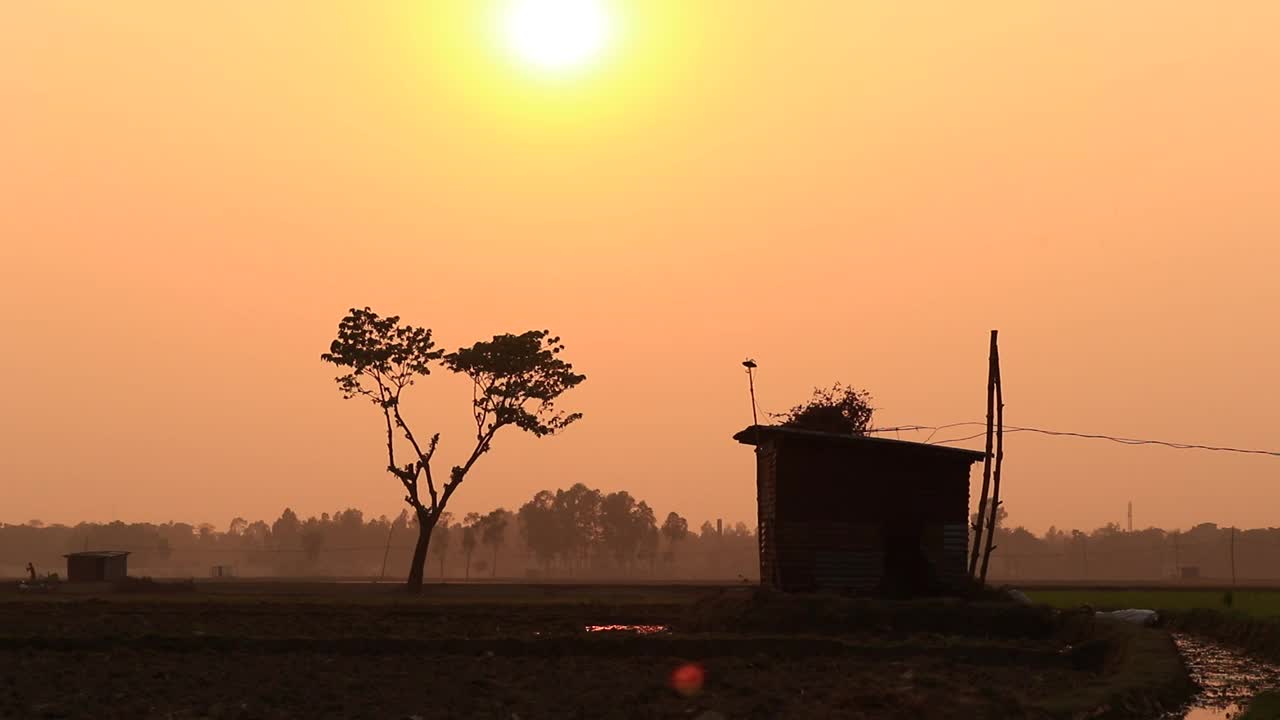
x: 839, y: 409
x: 516, y: 380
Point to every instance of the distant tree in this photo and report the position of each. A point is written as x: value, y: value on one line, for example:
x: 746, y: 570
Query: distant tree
x: 284, y: 531
x: 470, y: 530
x: 1001, y: 516
x: 350, y: 519
x: 675, y: 529
x: 623, y: 526
x: 649, y: 546
x: 707, y: 531
x: 540, y: 529
x: 516, y: 381
x: 441, y: 537
x: 577, y: 513
x: 838, y: 409
x: 616, y: 527
x: 1111, y: 529
x: 312, y: 539
x: 493, y: 532
x: 237, y: 526
x: 256, y: 534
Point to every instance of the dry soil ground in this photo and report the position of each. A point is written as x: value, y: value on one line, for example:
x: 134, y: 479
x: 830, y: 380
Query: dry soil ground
x: 315, y: 651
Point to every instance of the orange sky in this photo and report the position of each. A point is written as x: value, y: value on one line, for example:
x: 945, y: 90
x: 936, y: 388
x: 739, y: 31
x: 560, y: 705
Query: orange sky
x: 193, y: 193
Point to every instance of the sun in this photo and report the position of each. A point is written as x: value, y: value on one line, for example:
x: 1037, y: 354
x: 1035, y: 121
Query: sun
x: 557, y: 35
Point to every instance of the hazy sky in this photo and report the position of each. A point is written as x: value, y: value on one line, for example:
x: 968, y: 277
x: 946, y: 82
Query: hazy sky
x: 193, y: 193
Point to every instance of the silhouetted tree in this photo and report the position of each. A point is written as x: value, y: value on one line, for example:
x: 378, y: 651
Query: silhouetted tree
x: 256, y: 534
x: 618, y: 529
x: 649, y: 546
x: 469, y: 540
x: 624, y: 524
x: 837, y: 409
x: 442, y: 535
x: 578, y: 517
x: 516, y: 381
x: 1001, y: 516
x: 540, y: 528
x: 284, y: 531
x: 675, y: 529
x: 493, y: 533
x: 312, y: 539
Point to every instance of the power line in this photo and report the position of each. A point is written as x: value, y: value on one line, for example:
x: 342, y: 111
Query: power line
x: 1136, y: 441
x: 1086, y: 436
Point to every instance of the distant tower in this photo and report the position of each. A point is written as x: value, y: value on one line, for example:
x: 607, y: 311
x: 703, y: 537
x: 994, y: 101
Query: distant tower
x: 1130, y: 516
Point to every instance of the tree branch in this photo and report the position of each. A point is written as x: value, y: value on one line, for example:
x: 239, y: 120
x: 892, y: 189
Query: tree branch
x: 460, y: 472
x: 408, y: 475
x: 426, y: 468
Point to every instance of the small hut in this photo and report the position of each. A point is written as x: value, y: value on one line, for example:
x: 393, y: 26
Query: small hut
x: 859, y: 514
x: 97, y: 565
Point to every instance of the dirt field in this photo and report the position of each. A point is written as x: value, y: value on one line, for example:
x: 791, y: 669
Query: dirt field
x: 294, y: 651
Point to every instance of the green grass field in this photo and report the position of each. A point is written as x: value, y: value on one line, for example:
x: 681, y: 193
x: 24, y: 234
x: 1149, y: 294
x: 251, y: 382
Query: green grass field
x: 1264, y: 707
x: 1256, y: 603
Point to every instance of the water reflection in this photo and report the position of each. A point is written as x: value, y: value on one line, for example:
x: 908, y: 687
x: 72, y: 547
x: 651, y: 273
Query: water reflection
x: 1228, y: 678
x: 637, y: 629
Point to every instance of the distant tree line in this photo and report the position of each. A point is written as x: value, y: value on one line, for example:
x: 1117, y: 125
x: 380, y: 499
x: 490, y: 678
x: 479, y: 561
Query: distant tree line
x: 578, y: 532
x: 1206, y: 551
x: 583, y: 533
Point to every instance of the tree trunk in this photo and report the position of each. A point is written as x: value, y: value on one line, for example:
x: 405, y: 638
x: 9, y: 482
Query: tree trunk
x: 441, y: 567
x: 419, y: 566
x: 494, y: 574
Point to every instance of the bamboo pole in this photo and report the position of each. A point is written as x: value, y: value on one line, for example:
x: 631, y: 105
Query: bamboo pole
x: 986, y: 463
x: 999, y: 461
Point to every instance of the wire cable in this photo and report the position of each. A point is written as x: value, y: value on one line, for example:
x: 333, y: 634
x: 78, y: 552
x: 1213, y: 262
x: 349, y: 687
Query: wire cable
x: 1086, y: 436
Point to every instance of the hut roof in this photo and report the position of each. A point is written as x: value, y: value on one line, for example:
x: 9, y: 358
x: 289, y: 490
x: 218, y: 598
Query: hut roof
x: 97, y: 554
x: 755, y: 434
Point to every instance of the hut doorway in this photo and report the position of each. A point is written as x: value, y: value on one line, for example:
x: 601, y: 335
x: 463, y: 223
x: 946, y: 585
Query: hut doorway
x: 907, y: 570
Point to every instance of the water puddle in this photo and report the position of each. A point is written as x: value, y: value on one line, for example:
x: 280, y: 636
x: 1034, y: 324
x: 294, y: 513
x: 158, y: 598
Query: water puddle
x: 1228, y: 678
x: 637, y: 629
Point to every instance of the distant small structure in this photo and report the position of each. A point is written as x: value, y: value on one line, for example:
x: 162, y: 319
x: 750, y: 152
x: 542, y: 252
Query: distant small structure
x: 220, y: 571
x: 859, y: 514
x: 97, y: 565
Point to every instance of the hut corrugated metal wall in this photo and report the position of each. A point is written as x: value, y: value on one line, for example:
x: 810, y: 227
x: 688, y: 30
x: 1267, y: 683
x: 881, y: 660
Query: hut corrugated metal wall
x: 97, y: 566
x: 859, y: 514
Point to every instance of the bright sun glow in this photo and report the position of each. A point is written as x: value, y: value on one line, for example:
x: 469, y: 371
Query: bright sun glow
x: 557, y: 35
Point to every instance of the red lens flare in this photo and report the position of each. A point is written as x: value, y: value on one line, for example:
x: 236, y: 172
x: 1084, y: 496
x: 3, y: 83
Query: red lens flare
x: 688, y: 679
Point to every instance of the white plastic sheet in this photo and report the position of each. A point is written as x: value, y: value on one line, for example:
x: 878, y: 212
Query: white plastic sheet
x: 1132, y: 615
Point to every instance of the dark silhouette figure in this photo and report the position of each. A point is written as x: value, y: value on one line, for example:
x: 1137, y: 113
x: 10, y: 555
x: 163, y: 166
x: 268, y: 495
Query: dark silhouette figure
x: 31, y: 571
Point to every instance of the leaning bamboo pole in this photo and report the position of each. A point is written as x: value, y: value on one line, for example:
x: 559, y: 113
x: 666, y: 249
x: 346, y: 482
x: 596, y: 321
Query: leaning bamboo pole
x: 986, y: 463
x: 995, y: 476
